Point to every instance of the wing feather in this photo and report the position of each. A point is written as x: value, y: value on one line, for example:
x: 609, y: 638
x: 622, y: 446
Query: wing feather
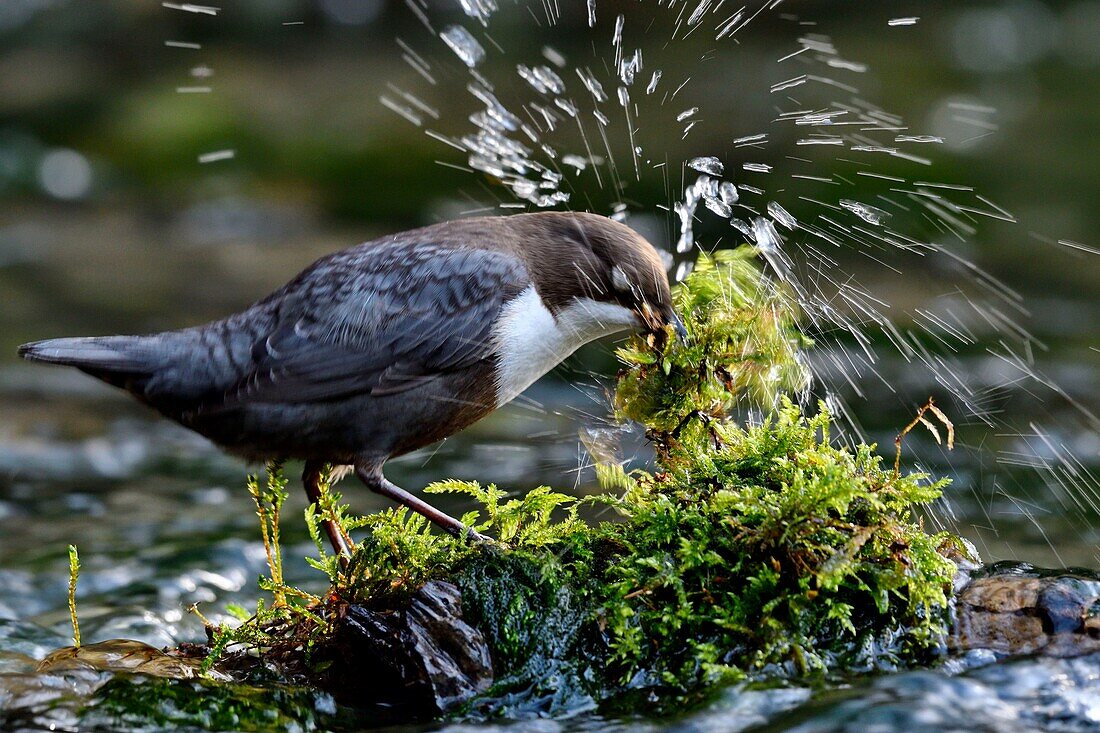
x: 380, y: 320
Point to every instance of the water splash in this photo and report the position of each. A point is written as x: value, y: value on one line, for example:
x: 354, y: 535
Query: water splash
x: 708, y: 164
x: 479, y: 9
x: 834, y: 189
x: 463, y: 44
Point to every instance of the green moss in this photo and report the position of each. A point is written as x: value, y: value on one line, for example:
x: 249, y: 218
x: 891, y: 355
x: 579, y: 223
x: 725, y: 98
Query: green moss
x: 752, y: 551
x: 538, y: 623
x: 743, y: 346
x: 151, y: 703
x: 772, y: 552
x: 779, y: 556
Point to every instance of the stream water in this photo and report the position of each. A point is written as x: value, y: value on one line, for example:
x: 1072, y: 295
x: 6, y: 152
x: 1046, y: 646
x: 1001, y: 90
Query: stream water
x: 1008, y: 345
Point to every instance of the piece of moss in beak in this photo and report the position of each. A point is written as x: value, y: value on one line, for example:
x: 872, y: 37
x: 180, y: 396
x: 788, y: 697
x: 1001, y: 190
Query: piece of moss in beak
x: 678, y: 327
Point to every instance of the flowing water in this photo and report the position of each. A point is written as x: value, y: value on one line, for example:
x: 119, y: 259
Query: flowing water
x: 702, y: 124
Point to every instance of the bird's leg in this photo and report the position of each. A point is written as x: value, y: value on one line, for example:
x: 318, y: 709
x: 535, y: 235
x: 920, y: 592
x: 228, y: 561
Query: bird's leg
x: 379, y: 484
x: 311, y: 478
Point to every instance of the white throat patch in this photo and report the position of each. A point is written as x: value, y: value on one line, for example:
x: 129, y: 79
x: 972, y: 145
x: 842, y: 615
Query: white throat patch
x: 531, y: 342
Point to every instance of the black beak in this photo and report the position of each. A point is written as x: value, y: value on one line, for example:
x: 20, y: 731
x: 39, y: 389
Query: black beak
x: 678, y: 326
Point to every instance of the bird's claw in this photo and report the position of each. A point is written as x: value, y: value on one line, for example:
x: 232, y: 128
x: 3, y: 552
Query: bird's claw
x: 474, y: 537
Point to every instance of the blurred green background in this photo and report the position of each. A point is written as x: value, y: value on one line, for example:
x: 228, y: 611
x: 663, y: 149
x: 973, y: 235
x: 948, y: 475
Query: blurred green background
x: 109, y: 222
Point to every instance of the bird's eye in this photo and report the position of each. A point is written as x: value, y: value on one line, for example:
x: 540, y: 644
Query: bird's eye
x: 619, y: 280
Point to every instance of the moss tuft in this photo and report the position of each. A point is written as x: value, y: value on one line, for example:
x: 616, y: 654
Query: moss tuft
x: 774, y: 552
x: 743, y: 347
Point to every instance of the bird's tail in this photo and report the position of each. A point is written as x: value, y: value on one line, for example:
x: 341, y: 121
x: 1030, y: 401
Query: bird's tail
x: 160, y: 369
x: 125, y: 354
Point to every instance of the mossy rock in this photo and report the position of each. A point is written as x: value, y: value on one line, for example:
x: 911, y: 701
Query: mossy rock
x: 772, y: 554
x: 756, y: 551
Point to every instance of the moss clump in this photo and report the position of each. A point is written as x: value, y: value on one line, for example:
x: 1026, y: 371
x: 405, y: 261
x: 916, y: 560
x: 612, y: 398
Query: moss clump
x: 773, y: 552
x: 743, y: 346
x: 750, y: 551
x: 400, y: 550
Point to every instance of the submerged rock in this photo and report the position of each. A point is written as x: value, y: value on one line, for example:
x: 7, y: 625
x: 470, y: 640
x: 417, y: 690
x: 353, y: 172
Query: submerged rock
x: 1027, y: 694
x: 1016, y: 609
x: 124, y: 655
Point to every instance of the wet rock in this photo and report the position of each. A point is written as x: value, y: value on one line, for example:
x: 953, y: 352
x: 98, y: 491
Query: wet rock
x: 124, y: 655
x: 425, y: 657
x: 1016, y: 609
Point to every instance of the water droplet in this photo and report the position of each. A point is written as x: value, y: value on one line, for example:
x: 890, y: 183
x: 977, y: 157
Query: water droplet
x: 767, y: 238
x: 687, y: 237
x: 869, y: 214
x: 576, y: 161
x: 554, y: 56
x: 718, y: 207
x: 683, y: 270
x: 629, y: 68
x: 751, y: 139
x: 728, y: 193
x: 463, y: 44
x: 782, y: 216
x: 541, y: 78
x: 918, y: 139
x: 745, y: 228
x: 707, y: 164
x: 216, y: 155
x: 653, y: 81
x: 479, y: 9
x: 700, y: 10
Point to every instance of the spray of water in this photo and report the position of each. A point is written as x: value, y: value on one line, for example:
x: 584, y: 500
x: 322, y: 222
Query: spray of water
x: 833, y: 189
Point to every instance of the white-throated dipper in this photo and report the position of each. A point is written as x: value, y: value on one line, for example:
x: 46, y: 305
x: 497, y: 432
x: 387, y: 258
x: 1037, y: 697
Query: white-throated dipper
x: 391, y: 345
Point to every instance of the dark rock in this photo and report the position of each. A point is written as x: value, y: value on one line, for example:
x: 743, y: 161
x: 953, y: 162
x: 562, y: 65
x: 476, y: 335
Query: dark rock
x: 424, y: 658
x: 1012, y: 608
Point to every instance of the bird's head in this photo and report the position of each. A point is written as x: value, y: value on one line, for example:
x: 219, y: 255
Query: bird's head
x: 599, y: 274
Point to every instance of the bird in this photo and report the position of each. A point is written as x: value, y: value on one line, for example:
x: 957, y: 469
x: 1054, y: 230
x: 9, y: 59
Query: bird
x: 391, y: 345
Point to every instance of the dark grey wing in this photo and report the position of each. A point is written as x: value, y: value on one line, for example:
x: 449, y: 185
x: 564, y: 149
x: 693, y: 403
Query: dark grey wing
x: 380, y: 320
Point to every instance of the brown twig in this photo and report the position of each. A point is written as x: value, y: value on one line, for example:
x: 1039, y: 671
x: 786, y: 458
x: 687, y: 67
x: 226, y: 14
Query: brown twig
x: 920, y: 419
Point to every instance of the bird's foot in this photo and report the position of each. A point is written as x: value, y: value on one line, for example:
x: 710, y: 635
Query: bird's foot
x: 474, y: 537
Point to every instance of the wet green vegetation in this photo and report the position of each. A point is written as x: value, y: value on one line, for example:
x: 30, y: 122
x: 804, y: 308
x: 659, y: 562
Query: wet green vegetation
x: 157, y: 703
x: 756, y: 551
